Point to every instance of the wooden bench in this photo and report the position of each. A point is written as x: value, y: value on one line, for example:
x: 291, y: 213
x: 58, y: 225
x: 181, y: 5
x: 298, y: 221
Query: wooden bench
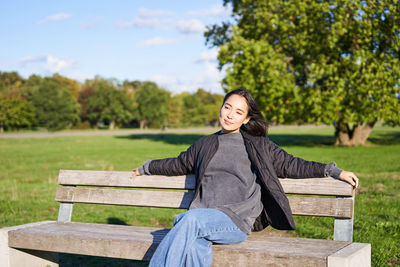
x: 40, y: 243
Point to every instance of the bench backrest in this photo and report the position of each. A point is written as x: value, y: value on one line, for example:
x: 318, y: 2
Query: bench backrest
x: 98, y: 187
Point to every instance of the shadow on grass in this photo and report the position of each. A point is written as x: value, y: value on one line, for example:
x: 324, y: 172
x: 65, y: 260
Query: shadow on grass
x: 280, y: 139
x: 390, y: 138
x: 113, y: 220
x: 307, y: 140
x: 168, y: 138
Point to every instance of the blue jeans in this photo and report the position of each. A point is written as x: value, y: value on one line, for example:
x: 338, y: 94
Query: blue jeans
x: 189, y: 241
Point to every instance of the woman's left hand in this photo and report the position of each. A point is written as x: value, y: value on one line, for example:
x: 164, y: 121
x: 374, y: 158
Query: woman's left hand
x: 349, y: 177
x: 135, y: 172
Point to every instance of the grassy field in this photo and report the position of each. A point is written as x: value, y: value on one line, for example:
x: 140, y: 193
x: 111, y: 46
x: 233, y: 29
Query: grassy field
x: 29, y: 169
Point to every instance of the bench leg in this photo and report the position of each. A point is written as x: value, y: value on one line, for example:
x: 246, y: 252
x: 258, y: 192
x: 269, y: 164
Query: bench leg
x: 11, y: 257
x: 353, y: 255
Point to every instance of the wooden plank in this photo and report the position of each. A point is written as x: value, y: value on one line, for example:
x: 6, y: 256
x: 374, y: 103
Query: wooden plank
x: 145, y: 198
x: 139, y: 243
x: 324, y: 207
x: 312, y: 186
x: 317, y: 186
x: 123, y: 179
x: 330, y: 207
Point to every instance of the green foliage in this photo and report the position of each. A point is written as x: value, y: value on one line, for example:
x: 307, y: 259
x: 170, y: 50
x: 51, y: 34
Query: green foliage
x: 314, y: 61
x: 10, y: 82
x: 30, y: 86
x: 152, y: 104
x: 72, y: 86
x: 102, y: 102
x: 16, y: 113
x: 175, y: 105
x: 201, y: 108
x: 195, y: 113
x: 55, y: 107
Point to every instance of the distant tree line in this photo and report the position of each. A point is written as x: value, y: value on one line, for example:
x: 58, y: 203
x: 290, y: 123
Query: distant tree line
x: 57, y: 102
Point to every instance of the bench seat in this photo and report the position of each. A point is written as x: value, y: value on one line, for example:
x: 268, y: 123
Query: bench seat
x: 139, y: 243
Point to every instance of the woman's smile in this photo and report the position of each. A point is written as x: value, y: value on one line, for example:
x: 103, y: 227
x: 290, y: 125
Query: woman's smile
x: 227, y: 122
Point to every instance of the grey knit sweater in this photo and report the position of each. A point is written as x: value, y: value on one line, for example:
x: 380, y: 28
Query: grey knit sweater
x: 229, y: 172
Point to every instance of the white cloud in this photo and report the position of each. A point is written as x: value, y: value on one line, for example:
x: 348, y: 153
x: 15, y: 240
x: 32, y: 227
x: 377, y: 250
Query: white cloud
x: 48, y: 63
x: 157, y: 41
x: 213, y: 11
x: 144, y: 12
x: 55, y: 17
x: 190, y: 26
x: 148, y: 18
x: 208, y: 56
x: 209, y: 79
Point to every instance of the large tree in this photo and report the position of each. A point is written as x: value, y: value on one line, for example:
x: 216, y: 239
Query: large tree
x: 201, y: 108
x: 175, y: 104
x: 315, y: 61
x: 15, y: 113
x: 55, y: 107
x: 104, y: 102
x: 152, y: 105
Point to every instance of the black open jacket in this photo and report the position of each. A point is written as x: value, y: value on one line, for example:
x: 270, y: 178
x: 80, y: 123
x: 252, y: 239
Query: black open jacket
x: 268, y: 162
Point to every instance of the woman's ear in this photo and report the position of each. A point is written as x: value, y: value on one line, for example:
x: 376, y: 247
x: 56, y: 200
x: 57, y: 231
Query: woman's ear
x: 246, y: 120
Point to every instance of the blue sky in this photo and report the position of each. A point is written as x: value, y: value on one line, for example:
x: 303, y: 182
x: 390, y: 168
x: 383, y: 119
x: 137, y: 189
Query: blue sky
x: 153, y: 40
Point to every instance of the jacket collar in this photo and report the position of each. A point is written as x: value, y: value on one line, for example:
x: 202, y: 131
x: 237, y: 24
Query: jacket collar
x: 247, y: 136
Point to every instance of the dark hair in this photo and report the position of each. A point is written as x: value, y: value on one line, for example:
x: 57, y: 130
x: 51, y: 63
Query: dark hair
x: 257, y: 125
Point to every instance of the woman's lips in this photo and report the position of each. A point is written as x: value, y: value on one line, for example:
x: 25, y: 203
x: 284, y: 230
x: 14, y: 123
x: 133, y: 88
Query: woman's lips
x: 227, y: 122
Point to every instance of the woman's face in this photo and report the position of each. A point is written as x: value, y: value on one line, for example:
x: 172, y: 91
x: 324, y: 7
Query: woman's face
x: 233, y: 113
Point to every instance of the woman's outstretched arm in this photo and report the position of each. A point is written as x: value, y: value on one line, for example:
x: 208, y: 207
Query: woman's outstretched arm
x: 181, y: 165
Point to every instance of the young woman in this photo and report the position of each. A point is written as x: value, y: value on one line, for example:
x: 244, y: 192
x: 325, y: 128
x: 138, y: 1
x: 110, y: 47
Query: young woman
x: 237, y: 187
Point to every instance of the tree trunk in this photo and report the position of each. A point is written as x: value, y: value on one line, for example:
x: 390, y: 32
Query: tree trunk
x: 361, y: 133
x: 112, y: 125
x: 143, y: 124
x: 357, y: 136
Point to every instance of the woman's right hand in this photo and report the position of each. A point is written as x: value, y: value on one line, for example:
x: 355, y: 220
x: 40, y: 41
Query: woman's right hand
x: 135, y: 172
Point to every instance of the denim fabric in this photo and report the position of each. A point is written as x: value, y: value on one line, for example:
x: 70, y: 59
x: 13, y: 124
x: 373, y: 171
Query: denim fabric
x: 189, y: 241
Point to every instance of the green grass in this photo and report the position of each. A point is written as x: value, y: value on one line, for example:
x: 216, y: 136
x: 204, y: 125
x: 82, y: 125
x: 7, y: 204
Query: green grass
x: 29, y: 170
